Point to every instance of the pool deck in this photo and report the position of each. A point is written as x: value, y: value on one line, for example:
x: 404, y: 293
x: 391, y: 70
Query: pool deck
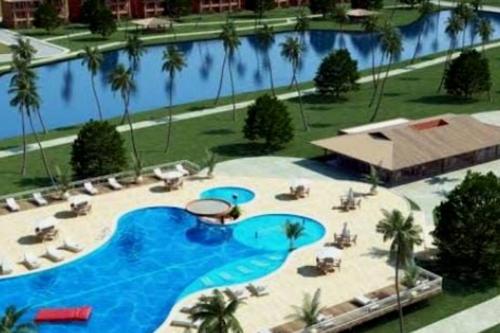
x: 364, y: 266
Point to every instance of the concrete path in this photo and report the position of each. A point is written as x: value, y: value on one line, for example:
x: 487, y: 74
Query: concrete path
x: 43, y: 48
x: 493, y: 9
x: 472, y: 320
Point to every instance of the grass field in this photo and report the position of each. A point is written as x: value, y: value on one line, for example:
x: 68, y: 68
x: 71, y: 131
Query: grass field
x: 495, y: 329
x: 4, y: 49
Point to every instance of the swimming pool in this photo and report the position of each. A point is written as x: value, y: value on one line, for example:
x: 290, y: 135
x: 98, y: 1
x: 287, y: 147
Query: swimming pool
x: 156, y: 256
x: 232, y: 194
x: 68, y: 99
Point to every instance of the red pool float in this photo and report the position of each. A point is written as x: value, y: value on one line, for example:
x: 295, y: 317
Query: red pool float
x: 64, y: 314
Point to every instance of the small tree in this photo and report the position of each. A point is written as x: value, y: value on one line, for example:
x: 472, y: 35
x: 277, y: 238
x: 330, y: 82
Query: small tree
x: 89, y: 9
x: 98, y: 150
x: 259, y: 7
x: 293, y: 231
x: 309, y: 311
x: 337, y: 74
x: 323, y: 7
x: 268, y: 119
x: 47, y: 17
x: 102, y: 22
x: 468, y: 74
x: 10, y: 322
x: 467, y: 231
x: 178, y: 8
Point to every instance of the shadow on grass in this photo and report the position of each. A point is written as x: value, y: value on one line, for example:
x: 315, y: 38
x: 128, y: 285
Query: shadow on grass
x: 66, y: 128
x: 33, y: 182
x: 244, y: 149
x: 90, y: 39
x: 219, y: 131
x: 443, y: 99
x: 320, y: 99
x: 321, y: 125
x: 411, y: 78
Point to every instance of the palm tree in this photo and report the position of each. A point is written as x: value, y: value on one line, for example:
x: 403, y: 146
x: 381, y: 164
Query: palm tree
x: 121, y: 80
x: 293, y: 231
x: 134, y: 47
x: 292, y: 50
x: 309, y: 311
x: 26, y: 99
x: 231, y: 42
x: 391, y: 43
x: 9, y: 322
x: 404, y: 234
x: 173, y: 62
x: 425, y: 9
x: 466, y: 14
x: 23, y: 50
x: 453, y: 27
x: 341, y: 16
x: 301, y: 25
x: 265, y: 37
x: 476, y: 5
x: 93, y: 59
x: 216, y: 314
x: 370, y: 26
x: 485, y: 30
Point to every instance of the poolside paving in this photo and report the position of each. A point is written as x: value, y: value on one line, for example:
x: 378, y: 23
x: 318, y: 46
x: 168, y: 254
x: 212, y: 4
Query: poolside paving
x: 364, y: 267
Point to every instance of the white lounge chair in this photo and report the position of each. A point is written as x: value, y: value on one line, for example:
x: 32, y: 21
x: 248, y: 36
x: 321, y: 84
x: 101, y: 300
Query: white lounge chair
x: 54, y: 254
x: 258, y: 290
x: 181, y: 169
x: 31, y: 261
x: 5, y: 267
x: 71, y: 246
x: 239, y: 294
x: 39, y: 199
x: 362, y: 300
x: 12, y: 205
x: 90, y: 188
x: 183, y: 320
x: 114, y: 184
x: 158, y: 174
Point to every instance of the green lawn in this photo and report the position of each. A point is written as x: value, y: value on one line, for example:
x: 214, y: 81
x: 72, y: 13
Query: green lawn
x: 4, y: 48
x: 494, y: 329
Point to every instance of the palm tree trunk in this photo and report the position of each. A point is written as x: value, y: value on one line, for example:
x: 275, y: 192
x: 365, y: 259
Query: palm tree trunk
x: 463, y: 36
x: 131, y: 128
x: 40, y: 118
x: 23, y: 166
x: 221, y: 78
x: 42, y: 152
x: 96, y: 98
x: 374, y: 78
x: 398, y: 296
x: 169, y: 128
x: 381, y: 93
x: 232, y: 90
x: 419, y: 40
x: 377, y: 79
x: 446, y: 63
x: 301, y: 107
x: 271, y: 79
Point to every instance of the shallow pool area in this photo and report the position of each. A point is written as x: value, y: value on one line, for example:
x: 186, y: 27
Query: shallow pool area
x: 235, y: 195
x: 156, y: 256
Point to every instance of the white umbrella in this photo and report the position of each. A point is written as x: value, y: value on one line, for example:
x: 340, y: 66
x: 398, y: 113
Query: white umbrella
x: 329, y: 253
x: 300, y: 182
x: 79, y: 199
x: 48, y: 222
x: 172, y: 175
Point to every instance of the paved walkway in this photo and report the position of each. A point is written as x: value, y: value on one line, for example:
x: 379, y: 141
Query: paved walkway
x: 472, y: 320
x: 493, y: 9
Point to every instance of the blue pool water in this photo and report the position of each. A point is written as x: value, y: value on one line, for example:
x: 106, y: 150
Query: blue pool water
x: 67, y: 96
x: 156, y: 256
x: 231, y: 194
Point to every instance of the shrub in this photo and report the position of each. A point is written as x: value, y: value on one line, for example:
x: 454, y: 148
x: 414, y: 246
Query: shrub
x: 324, y: 7
x: 467, y: 75
x: 467, y: 232
x: 102, y: 22
x: 269, y: 119
x: 47, y: 17
x: 259, y: 7
x: 98, y: 150
x: 178, y: 8
x: 337, y: 74
x: 90, y: 8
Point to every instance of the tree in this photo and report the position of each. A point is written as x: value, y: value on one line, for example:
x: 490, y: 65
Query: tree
x: 259, y: 7
x: 370, y: 26
x: 93, y: 58
x: 23, y: 50
x: 293, y: 231
x: 426, y: 8
x: 216, y: 314
x: 265, y: 37
x: 121, y: 80
x: 268, y: 119
x: 9, y: 322
x: 367, y: 4
x: 476, y: 4
x: 231, y: 42
x: 302, y: 24
x: 404, y: 234
x: 323, y: 7
x: 453, y: 27
x: 46, y: 16
x: 134, y: 48
x: 411, y: 3
x: 309, y: 311
x: 173, y: 62
x: 340, y: 15
x: 98, y: 150
x: 292, y: 50
x: 89, y: 9
x: 467, y: 231
x: 467, y: 75
x: 178, y: 8
x: 392, y: 46
x: 102, y: 22
x: 337, y: 74
x: 466, y: 15
x: 485, y: 30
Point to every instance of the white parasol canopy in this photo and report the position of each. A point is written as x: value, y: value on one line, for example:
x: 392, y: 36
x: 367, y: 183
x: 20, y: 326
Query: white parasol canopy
x: 329, y: 252
x: 79, y: 199
x: 48, y: 222
x: 172, y: 175
x: 300, y: 182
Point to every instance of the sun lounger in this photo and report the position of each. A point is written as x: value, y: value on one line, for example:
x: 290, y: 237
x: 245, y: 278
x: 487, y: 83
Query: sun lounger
x: 89, y: 188
x: 31, y: 261
x: 183, y: 320
x: 158, y: 174
x: 239, y: 294
x: 181, y: 169
x: 71, y: 246
x: 258, y: 290
x: 53, y: 254
x: 114, y: 184
x: 39, y: 199
x: 5, y: 267
x: 12, y: 205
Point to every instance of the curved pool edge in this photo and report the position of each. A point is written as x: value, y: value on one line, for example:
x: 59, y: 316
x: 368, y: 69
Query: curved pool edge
x: 178, y: 304
x: 255, y: 193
